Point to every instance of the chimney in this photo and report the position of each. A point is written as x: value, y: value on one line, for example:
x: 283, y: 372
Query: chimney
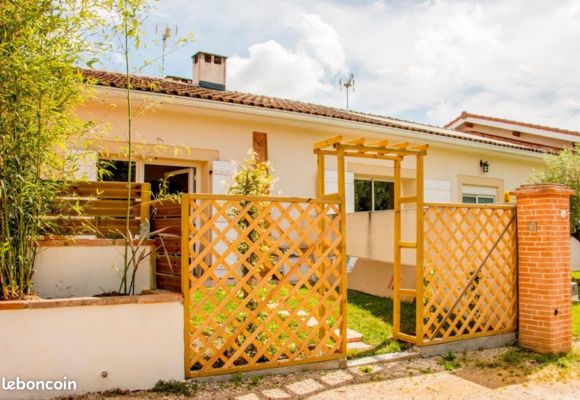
x: 209, y: 70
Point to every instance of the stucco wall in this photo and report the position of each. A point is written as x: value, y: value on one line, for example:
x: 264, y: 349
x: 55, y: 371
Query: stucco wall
x: 77, y: 271
x: 177, y: 126
x: 134, y: 344
x: 575, y: 253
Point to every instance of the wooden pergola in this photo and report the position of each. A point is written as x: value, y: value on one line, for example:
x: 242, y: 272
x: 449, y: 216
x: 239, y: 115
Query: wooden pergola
x: 383, y: 150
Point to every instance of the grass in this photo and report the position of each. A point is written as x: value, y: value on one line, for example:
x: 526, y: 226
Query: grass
x: 576, y: 275
x: 449, y: 362
x: 373, y: 317
x: 523, y: 362
x: 576, y: 320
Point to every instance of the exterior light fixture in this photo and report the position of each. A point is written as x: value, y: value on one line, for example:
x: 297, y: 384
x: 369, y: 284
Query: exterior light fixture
x: 484, y: 166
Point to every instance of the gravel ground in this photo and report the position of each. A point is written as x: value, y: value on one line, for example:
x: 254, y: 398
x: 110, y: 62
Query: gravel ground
x: 473, y: 375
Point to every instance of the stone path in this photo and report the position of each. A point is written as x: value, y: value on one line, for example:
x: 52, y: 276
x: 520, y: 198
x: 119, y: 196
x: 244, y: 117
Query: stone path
x: 412, y: 378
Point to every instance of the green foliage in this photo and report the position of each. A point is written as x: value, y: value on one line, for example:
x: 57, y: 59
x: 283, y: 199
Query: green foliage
x: 563, y: 168
x: 41, y: 43
x: 254, y: 178
x: 449, y: 362
x: 365, y: 369
x: 175, y: 387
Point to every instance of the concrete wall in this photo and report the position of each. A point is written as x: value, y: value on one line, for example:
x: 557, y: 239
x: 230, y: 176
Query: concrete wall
x: 134, y: 345
x: 77, y: 271
x: 376, y: 278
x: 370, y: 236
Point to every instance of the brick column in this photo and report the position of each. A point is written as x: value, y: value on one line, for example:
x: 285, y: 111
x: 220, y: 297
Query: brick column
x: 545, y: 311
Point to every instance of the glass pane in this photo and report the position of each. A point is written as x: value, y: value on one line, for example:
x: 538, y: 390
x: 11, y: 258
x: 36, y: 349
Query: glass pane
x: 470, y: 199
x: 115, y: 171
x: 384, y: 195
x: 362, y: 195
x: 485, y: 199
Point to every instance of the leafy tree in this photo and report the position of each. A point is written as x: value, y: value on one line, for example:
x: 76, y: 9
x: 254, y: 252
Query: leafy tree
x: 41, y: 43
x: 563, y: 168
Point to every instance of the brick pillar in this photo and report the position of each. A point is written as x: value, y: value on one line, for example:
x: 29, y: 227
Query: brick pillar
x: 545, y: 312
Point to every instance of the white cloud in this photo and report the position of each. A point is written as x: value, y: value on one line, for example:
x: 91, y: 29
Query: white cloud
x: 303, y: 71
x: 423, y: 60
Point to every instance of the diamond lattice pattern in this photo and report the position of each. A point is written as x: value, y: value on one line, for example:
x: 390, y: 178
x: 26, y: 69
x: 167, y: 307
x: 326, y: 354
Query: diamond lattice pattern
x: 469, y: 272
x: 265, y: 283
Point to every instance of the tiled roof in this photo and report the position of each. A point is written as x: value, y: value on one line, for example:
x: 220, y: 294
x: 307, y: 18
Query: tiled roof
x: 185, y: 89
x: 465, y: 115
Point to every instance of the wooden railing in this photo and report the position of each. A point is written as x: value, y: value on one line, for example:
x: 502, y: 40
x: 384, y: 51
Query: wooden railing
x: 166, y: 229
x: 100, y: 209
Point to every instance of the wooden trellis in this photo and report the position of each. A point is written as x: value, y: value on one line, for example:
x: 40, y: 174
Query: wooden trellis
x: 383, y: 150
x: 263, y: 282
x: 470, y: 272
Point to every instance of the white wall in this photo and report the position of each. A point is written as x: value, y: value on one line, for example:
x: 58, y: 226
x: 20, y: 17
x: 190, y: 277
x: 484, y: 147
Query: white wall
x: 136, y: 344
x: 78, y: 271
x: 575, y: 253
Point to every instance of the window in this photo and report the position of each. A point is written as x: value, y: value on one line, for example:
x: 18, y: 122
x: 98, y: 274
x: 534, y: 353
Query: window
x: 373, y: 195
x: 115, y: 170
x: 478, y: 194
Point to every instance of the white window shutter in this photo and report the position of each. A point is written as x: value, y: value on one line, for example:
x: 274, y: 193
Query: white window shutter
x: 437, y: 191
x: 331, y: 186
x: 222, y: 172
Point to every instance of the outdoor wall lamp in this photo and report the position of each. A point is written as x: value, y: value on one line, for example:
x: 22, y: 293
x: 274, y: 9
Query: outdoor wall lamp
x: 484, y: 165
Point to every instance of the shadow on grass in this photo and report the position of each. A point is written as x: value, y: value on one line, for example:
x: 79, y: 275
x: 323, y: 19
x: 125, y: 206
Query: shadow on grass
x: 372, y: 316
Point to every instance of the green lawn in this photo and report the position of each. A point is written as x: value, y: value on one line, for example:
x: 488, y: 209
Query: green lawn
x: 373, y: 317
x: 576, y: 320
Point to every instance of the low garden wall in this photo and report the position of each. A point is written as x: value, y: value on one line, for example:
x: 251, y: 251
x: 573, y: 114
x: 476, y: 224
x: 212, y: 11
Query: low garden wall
x: 86, y: 267
x: 106, y: 343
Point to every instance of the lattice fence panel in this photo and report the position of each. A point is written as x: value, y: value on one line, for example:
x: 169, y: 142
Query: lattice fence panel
x: 469, y: 273
x: 265, y: 283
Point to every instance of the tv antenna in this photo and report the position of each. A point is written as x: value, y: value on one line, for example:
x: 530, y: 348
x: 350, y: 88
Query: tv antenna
x: 348, y: 83
x: 164, y: 38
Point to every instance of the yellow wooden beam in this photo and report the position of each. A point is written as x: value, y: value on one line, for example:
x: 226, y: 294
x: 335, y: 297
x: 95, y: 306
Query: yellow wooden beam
x: 380, y: 143
x: 420, y: 147
x: 402, y: 145
x: 327, y: 142
x: 408, y: 199
x: 359, y: 140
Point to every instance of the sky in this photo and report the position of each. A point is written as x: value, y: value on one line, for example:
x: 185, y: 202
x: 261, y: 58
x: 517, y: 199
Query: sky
x: 424, y: 60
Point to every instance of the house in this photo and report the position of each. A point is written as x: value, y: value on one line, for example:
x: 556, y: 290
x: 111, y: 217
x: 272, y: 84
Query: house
x: 543, y: 137
x: 190, y: 130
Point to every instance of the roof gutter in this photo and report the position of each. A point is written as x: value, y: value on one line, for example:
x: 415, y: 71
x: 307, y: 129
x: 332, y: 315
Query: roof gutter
x: 321, y: 120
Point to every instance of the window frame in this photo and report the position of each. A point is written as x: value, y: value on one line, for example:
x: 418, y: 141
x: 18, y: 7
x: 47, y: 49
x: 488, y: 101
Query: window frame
x: 372, y: 180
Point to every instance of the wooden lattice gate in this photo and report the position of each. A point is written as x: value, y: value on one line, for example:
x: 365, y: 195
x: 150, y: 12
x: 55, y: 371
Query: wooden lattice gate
x: 469, y: 272
x: 263, y: 282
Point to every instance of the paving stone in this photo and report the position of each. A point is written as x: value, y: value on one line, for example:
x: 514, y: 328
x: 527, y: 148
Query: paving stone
x: 336, y: 377
x: 275, y: 394
x: 359, y: 346
x: 249, y: 396
x: 305, y: 386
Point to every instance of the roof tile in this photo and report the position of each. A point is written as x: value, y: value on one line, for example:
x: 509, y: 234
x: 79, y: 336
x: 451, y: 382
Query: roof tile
x: 178, y: 88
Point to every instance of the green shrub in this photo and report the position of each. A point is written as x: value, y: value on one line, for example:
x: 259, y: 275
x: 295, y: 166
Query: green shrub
x: 563, y: 168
